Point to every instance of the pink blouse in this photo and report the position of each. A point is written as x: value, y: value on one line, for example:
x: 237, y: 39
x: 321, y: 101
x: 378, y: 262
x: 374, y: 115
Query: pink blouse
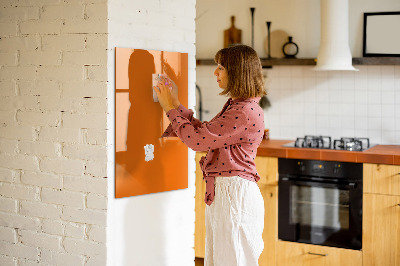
x: 231, y: 139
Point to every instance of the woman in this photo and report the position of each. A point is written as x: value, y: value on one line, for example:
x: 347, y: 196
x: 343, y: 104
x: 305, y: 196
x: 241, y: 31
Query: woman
x: 235, y: 207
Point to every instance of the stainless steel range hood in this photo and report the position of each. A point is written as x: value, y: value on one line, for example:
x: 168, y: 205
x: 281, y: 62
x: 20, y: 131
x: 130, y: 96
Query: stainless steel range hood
x: 334, y: 51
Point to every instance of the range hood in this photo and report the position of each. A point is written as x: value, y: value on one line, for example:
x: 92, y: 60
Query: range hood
x: 334, y: 51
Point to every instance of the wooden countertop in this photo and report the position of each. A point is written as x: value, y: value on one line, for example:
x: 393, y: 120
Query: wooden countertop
x: 379, y: 154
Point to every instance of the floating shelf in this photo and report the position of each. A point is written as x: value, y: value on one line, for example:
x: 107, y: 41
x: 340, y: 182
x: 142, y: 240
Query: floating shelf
x: 312, y: 61
x: 288, y: 62
x: 376, y: 61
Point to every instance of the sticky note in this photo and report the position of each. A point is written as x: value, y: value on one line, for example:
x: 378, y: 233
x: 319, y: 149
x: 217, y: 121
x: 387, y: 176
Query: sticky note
x: 149, y: 152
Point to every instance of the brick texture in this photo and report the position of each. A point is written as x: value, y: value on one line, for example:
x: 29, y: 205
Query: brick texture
x: 56, y: 80
x: 75, y: 230
x: 62, y: 258
x: 53, y: 108
x: 34, y: 239
x: 53, y: 227
x: 8, y: 234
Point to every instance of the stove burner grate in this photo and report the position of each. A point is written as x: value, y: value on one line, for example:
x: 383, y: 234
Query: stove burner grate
x: 321, y: 142
x: 324, y: 142
x: 351, y: 144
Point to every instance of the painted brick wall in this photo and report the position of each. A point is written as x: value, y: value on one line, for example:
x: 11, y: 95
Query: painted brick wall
x: 155, y: 229
x: 53, y: 153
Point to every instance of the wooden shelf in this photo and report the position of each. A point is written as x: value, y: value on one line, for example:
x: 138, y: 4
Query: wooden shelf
x: 288, y: 62
x: 205, y: 62
x: 376, y: 61
x: 312, y: 61
x: 266, y: 63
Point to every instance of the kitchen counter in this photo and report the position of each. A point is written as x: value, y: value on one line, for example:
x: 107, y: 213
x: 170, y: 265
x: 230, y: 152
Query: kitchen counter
x: 380, y: 196
x: 379, y: 154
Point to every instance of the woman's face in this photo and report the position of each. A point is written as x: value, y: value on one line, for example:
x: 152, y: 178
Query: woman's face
x: 222, y: 76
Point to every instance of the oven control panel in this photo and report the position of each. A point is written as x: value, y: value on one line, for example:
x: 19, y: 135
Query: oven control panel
x: 331, y: 169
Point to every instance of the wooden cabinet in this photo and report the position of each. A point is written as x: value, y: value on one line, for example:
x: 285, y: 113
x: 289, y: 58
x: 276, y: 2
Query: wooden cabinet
x: 200, y: 208
x: 267, y: 168
x: 381, y: 230
x: 298, y: 254
x: 381, y: 179
x: 381, y: 221
x: 381, y: 215
x: 270, y: 233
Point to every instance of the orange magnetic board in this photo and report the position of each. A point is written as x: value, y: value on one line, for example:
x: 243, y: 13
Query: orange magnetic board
x: 144, y: 162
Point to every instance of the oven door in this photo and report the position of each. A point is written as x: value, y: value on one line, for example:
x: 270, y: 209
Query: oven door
x: 321, y: 212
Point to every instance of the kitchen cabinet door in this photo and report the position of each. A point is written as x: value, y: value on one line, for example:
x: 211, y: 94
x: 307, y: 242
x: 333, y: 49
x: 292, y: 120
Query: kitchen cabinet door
x: 298, y: 254
x: 267, y: 168
x: 381, y: 179
x: 381, y: 230
x: 200, y: 208
x: 270, y: 233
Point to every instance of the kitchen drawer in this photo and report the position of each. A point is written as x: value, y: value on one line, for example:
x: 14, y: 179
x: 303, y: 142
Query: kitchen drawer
x: 298, y: 254
x: 381, y: 179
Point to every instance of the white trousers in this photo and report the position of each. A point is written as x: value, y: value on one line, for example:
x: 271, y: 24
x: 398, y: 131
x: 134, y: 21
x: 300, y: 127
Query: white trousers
x: 234, y: 223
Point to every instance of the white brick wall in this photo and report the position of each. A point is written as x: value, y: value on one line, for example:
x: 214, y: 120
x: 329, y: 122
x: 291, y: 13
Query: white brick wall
x: 62, y: 258
x: 8, y: 234
x: 53, y: 107
x: 55, y: 133
x: 75, y: 230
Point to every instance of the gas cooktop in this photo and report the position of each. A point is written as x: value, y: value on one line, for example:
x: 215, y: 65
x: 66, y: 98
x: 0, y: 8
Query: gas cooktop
x: 325, y: 142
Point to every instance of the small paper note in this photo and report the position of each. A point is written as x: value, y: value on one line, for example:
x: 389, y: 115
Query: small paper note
x: 149, y: 152
x: 155, y: 81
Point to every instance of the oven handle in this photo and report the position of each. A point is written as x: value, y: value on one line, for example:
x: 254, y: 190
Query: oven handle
x: 297, y: 181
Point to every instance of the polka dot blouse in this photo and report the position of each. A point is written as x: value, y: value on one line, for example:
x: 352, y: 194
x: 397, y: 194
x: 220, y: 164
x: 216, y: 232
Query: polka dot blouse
x: 231, y: 139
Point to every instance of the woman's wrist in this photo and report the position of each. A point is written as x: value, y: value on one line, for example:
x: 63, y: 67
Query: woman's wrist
x: 176, y: 104
x: 168, y: 108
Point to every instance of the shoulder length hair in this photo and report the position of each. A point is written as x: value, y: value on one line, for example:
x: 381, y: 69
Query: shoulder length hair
x: 245, y: 78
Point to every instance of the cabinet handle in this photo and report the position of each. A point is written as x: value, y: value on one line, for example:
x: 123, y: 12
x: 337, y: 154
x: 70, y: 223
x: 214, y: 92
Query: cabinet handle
x: 318, y: 254
x: 398, y: 204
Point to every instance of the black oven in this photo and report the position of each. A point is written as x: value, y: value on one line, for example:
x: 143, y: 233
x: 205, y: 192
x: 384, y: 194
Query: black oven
x: 320, y: 202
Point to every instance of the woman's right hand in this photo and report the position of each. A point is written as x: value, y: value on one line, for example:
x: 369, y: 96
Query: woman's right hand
x: 174, y: 90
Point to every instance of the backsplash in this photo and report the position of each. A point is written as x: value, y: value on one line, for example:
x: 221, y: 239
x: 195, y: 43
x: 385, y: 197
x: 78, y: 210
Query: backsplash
x: 365, y: 103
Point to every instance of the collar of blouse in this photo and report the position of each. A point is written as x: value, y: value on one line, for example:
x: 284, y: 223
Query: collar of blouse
x: 255, y: 99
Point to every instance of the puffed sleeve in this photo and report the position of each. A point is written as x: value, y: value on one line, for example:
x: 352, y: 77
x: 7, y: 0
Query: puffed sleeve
x: 187, y: 113
x: 227, y: 129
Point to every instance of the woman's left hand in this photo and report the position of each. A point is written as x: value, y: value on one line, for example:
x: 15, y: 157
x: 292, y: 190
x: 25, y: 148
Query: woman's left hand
x: 164, y: 95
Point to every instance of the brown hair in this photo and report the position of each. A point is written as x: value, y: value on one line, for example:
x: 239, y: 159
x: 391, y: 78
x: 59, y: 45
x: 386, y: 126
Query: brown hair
x: 245, y: 78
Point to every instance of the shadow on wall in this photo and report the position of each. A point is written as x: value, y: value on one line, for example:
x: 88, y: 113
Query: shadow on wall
x: 141, y: 130
x: 144, y: 232
x: 140, y: 122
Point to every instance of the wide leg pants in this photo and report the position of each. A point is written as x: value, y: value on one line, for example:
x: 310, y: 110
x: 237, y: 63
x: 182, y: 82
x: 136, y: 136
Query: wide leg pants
x: 234, y: 223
